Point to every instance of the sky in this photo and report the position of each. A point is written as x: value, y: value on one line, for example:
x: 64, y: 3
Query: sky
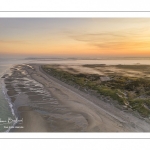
x: 75, y: 37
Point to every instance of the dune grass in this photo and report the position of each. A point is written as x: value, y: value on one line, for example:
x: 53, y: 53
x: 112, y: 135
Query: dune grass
x: 124, y: 90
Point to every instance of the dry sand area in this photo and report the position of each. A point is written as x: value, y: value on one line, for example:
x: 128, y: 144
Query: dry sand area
x: 49, y: 105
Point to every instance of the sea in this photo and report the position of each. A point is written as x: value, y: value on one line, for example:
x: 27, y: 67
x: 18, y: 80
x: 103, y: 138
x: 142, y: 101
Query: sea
x: 6, y: 107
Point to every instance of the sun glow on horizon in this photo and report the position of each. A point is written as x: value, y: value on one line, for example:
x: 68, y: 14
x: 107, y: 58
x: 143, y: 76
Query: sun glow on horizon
x: 65, y: 36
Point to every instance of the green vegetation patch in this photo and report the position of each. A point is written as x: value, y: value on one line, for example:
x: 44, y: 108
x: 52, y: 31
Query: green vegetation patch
x: 130, y: 91
x: 94, y: 65
x: 134, y: 67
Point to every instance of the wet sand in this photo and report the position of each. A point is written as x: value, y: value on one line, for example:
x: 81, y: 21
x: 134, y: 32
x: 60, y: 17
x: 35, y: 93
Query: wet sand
x: 49, y: 105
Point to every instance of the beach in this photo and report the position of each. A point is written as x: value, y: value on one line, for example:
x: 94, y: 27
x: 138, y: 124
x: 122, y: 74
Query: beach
x: 46, y: 104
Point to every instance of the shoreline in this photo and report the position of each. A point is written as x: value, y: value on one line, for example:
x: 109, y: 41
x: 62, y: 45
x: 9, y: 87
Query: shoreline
x: 6, y: 96
x: 86, y: 114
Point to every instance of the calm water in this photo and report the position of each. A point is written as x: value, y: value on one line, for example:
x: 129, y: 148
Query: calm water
x: 5, y: 109
x: 107, y: 62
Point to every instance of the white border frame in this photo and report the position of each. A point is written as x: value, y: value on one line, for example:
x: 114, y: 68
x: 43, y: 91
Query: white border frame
x: 65, y: 135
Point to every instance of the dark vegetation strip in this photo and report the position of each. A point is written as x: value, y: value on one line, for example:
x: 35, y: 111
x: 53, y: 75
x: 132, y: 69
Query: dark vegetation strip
x: 125, y: 90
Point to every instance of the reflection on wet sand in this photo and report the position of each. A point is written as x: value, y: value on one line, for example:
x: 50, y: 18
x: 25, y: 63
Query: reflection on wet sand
x: 31, y: 99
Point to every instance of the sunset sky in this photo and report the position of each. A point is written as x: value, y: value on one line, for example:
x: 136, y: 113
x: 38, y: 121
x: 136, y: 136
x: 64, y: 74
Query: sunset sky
x: 75, y: 37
